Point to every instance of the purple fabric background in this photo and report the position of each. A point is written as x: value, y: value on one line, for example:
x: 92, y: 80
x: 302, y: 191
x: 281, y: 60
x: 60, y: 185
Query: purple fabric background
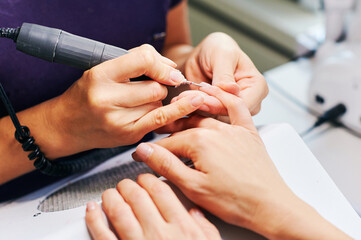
x: 124, y: 23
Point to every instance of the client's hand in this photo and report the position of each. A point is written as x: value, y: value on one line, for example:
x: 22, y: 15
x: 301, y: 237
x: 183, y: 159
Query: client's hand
x: 234, y: 177
x: 219, y: 60
x: 147, y: 210
x: 104, y: 109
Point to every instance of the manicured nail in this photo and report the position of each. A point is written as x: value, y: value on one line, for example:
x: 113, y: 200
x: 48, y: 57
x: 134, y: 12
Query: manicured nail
x: 136, y: 157
x: 197, y: 101
x: 90, y: 206
x: 197, y: 213
x: 144, y: 151
x: 176, y: 77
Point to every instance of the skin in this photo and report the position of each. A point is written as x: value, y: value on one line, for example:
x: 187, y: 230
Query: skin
x: 217, y: 60
x: 148, y: 209
x: 234, y: 177
x: 109, y: 112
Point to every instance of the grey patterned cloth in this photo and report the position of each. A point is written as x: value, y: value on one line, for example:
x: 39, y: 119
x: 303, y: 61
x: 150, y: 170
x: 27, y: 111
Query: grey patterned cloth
x: 90, y: 188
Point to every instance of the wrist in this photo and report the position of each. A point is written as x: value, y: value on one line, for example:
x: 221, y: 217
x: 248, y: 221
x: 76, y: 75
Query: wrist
x: 44, y: 121
x: 288, y: 217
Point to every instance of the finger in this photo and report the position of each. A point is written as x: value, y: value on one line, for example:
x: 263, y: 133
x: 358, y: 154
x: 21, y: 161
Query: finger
x: 142, y: 205
x: 211, y: 104
x: 237, y: 109
x: 195, y: 121
x: 169, y: 113
x: 168, y: 61
x: 164, y: 198
x: 224, y: 67
x: 134, y: 113
x: 207, y: 227
x: 162, y: 58
x: 229, y: 87
x: 121, y: 216
x: 133, y: 94
x: 95, y: 222
x: 144, y: 60
x: 253, y: 91
x: 167, y: 164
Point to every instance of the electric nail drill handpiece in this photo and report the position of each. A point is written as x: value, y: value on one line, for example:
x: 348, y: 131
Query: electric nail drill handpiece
x: 55, y: 45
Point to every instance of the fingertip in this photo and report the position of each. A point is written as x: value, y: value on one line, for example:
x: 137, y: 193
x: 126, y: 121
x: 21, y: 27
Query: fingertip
x: 176, y: 77
x: 143, y: 151
x: 91, y: 206
x: 136, y: 157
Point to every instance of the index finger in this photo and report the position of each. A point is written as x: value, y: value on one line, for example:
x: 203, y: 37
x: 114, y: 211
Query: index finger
x: 169, y: 113
x: 237, y: 109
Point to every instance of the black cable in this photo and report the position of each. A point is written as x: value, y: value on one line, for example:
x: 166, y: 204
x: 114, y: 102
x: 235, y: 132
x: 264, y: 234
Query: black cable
x: 11, y: 33
x: 52, y: 168
x: 330, y: 115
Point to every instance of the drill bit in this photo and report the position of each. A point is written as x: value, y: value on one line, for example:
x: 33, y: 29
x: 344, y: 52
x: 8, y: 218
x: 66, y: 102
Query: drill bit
x: 190, y: 83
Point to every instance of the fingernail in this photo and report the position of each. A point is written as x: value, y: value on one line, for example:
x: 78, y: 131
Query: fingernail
x: 197, y: 213
x: 90, y: 206
x: 176, y: 77
x: 144, y: 151
x: 136, y: 157
x: 197, y: 101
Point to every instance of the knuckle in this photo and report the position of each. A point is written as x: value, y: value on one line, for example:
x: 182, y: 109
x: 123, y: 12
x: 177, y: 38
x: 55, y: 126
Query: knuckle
x: 90, y: 218
x: 147, y: 57
x: 148, y: 47
x: 159, y: 91
x: 115, y: 211
x: 95, y: 99
x: 166, y: 166
x: 160, y: 118
x: 199, y: 136
x: 137, y: 194
x: 183, y: 109
x: 159, y: 188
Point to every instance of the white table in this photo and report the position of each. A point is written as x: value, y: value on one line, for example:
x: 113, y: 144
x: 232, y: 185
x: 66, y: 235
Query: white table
x: 338, y: 151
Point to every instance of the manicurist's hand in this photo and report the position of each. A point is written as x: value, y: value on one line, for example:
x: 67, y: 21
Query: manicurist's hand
x: 148, y: 209
x: 218, y: 60
x: 234, y: 177
x: 104, y: 109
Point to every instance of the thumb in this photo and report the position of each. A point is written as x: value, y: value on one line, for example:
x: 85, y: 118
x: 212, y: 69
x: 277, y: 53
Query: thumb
x: 224, y: 68
x: 144, y: 60
x: 207, y: 227
x: 166, y: 164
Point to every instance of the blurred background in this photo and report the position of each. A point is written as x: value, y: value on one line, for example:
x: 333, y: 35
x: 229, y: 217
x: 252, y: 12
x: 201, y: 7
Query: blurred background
x: 271, y: 32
